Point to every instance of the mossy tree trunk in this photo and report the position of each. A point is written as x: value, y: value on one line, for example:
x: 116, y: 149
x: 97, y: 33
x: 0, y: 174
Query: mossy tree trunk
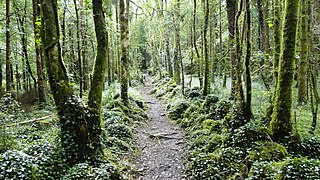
x: 206, y: 84
x: 304, y: 48
x: 99, y: 71
x: 176, y: 43
x: 281, y: 123
x: 80, y: 126
x: 124, y: 30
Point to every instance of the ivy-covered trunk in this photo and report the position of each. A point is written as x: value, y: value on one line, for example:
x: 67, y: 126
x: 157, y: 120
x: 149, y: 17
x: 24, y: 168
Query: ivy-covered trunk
x: 80, y: 126
x: 281, y: 123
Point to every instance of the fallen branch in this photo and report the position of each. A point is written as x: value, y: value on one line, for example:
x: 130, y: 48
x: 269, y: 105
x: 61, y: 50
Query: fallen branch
x: 162, y: 136
x: 31, y: 121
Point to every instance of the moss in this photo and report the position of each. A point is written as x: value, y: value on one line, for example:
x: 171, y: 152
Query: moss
x: 281, y: 124
x: 212, y: 125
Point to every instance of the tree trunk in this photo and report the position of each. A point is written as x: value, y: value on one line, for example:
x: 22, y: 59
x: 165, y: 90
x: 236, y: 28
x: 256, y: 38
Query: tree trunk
x: 248, y: 110
x: 8, y: 49
x: 281, y: 124
x: 80, y: 127
x: 99, y: 71
x: 79, y: 63
x: 176, y: 43
x: 231, y: 12
x: 37, y: 41
x: 304, y: 47
x: 124, y: 30
x: 260, y: 26
x: 206, y: 85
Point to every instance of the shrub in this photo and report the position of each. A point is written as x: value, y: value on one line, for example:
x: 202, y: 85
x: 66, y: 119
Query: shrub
x: 247, y: 135
x: 105, y: 171
x: 177, y: 109
x: 263, y: 170
x: 300, y: 168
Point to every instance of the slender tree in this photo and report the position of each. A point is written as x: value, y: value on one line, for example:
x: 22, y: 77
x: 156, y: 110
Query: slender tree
x: 79, y: 62
x: 304, y: 46
x: 124, y: 30
x: 206, y: 84
x: 8, y: 49
x: 231, y: 12
x: 37, y: 42
x: 248, y: 109
x: 281, y: 124
x: 176, y: 42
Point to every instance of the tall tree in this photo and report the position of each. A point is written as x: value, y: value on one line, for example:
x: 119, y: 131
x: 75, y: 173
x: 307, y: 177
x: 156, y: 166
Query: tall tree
x: 206, y: 85
x: 276, y: 38
x: 304, y: 48
x: 124, y: 30
x: 248, y: 110
x: 176, y: 42
x: 37, y: 41
x: 231, y: 12
x: 281, y: 124
x: 79, y: 63
x: 8, y: 49
x: 80, y: 126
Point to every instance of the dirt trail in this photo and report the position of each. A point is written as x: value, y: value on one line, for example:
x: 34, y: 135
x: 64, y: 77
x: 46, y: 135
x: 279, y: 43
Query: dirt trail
x: 161, y: 143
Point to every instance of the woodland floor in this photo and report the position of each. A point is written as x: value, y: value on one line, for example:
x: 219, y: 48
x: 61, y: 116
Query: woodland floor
x: 161, y: 143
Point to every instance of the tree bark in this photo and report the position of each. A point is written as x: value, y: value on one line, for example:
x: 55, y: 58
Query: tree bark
x: 281, y: 123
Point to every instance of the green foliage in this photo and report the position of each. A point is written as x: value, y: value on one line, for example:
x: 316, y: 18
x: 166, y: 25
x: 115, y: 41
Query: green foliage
x: 300, y: 168
x: 16, y: 165
x: 269, y: 151
x: 176, y: 110
x: 247, y: 135
x: 263, y: 170
x: 105, y: 171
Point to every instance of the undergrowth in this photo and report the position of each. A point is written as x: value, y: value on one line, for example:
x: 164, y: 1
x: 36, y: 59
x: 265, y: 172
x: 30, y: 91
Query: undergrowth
x: 222, y: 144
x: 31, y: 149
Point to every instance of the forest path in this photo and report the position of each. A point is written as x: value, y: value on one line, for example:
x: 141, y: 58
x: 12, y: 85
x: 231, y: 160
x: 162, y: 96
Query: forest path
x: 161, y: 154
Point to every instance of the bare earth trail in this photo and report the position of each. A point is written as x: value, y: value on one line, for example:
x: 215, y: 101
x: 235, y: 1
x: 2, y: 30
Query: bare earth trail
x: 161, y: 143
